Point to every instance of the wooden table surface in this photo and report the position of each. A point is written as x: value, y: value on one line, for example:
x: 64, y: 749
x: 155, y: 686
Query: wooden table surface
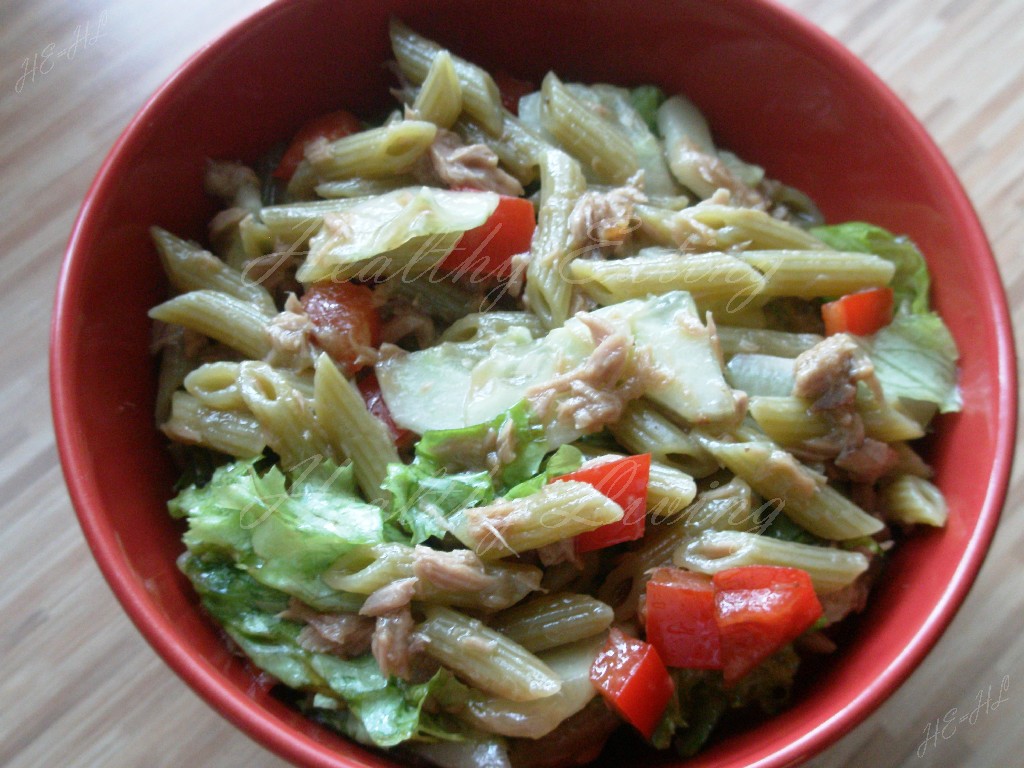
x: 78, y: 685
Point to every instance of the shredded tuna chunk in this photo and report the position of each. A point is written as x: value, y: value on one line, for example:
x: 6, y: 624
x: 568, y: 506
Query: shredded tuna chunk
x: 608, y: 218
x: 390, y: 598
x: 828, y: 373
x: 289, y: 333
x: 850, y: 599
x: 458, y: 571
x: 342, y: 634
x: 392, y: 643
x: 410, y: 322
x: 868, y: 461
x: 563, y: 551
x: 235, y: 184
x: 595, y: 392
x: 474, y: 165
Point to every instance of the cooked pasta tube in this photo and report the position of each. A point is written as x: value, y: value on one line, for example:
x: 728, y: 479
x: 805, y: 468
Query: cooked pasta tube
x: 594, y: 141
x: 707, y: 276
x: 351, y: 429
x: 232, y: 432
x: 535, y: 719
x: 913, y: 500
x: 734, y: 341
x: 548, y: 293
x: 374, y: 153
x: 775, y: 474
x: 558, y: 511
x: 789, y: 420
x: 480, y: 96
x: 439, y: 99
x: 829, y: 568
x: 190, y: 268
x: 518, y: 148
x: 811, y: 274
x: 643, y: 429
x: 669, y: 490
x: 485, y: 658
x: 553, y: 620
x: 229, y: 320
x: 285, y: 415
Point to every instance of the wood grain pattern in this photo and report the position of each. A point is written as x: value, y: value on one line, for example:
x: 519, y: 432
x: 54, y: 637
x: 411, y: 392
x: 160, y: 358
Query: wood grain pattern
x: 79, y: 687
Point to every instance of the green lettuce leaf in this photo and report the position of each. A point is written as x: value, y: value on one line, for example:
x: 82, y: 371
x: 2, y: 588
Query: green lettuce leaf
x: 915, y: 358
x: 563, y: 461
x: 379, y: 711
x: 646, y: 99
x: 284, y: 535
x: 911, y: 282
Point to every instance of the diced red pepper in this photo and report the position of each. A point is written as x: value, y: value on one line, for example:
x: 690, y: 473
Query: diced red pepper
x: 369, y: 388
x: 758, y: 609
x: 681, y: 619
x: 332, y: 127
x: 344, y: 321
x: 862, y: 313
x: 512, y: 90
x: 631, y: 677
x: 487, y: 250
x: 624, y: 481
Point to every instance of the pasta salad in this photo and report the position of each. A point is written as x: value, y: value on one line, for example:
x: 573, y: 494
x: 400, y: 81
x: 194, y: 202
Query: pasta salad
x: 527, y: 415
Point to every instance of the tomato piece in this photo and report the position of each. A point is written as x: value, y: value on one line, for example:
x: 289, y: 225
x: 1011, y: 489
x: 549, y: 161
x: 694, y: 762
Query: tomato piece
x: 333, y: 126
x: 487, y: 250
x: 624, y: 481
x: 512, y: 90
x: 681, y: 619
x: 369, y: 388
x: 631, y: 677
x: 760, y: 608
x: 862, y: 313
x: 344, y: 321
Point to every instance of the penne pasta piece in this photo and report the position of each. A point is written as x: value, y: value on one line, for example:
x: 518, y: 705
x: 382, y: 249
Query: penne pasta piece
x: 669, y: 490
x: 480, y: 96
x: 812, y: 274
x: 593, y: 141
x: 485, y: 658
x: 360, y: 187
x: 229, y: 320
x: 517, y: 146
x: 439, y: 100
x: 553, y: 620
x: 232, y: 432
x: 707, y: 276
x: 190, y: 268
x: 557, y: 511
x: 351, y: 430
x: 215, y: 385
x: 789, y: 420
x: 775, y: 474
x: 913, y: 500
x: 285, y: 415
x: 830, y: 568
x: 174, y: 368
x: 643, y: 429
x: 548, y: 293
x: 535, y: 719
x: 390, y: 150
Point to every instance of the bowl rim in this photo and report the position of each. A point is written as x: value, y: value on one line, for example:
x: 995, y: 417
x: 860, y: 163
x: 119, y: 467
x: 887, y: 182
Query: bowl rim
x: 293, y: 745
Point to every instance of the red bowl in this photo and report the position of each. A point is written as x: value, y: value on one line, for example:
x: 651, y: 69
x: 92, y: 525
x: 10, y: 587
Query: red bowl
x: 776, y: 90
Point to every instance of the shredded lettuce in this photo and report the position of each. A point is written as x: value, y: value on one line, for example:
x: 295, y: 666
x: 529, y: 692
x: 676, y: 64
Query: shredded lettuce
x: 915, y: 358
x: 379, y: 711
x: 284, y: 535
x: 646, y: 99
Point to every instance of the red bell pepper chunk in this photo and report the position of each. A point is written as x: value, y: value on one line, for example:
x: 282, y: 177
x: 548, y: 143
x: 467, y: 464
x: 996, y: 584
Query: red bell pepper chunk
x: 332, y: 127
x: 512, y: 90
x: 344, y: 321
x: 681, y: 621
x: 624, y: 481
x: 369, y: 388
x: 487, y: 250
x: 631, y: 677
x: 862, y: 313
x: 758, y: 609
